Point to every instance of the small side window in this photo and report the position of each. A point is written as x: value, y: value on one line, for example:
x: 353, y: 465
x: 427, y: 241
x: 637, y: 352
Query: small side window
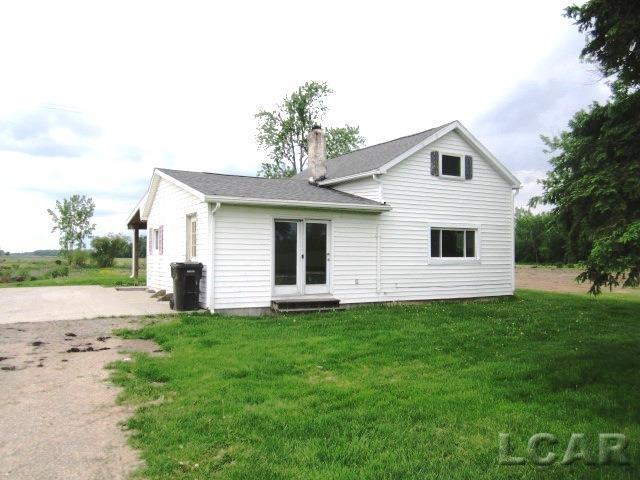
x: 451, y: 165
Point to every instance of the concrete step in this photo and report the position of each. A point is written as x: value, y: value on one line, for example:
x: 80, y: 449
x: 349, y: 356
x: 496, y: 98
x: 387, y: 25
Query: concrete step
x: 300, y: 305
x: 308, y: 310
x: 167, y: 297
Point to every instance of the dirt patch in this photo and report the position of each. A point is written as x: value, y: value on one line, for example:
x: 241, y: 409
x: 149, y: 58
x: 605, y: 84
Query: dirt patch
x: 552, y: 279
x: 88, y: 349
x: 58, y: 415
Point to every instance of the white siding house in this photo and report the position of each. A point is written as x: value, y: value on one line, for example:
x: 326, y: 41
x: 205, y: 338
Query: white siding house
x: 427, y: 216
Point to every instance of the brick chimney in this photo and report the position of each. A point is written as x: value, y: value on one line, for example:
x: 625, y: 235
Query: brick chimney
x: 317, y: 154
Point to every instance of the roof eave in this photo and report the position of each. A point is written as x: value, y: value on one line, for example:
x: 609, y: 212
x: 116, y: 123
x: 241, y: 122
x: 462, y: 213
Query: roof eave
x: 268, y: 202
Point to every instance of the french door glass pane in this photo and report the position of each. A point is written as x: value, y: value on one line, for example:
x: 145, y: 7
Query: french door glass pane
x: 286, y: 262
x: 316, y: 253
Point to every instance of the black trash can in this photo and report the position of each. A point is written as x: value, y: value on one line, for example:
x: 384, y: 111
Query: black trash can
x: 186, y: 285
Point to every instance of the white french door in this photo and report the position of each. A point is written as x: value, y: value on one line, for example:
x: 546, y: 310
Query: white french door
x: 301, y: 257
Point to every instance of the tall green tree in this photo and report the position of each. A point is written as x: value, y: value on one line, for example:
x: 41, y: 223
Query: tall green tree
x: 72, y: 219
x: 595, y: 182
x: 595, y: 188
x: 539, y: 239
x: 282, y: 132
x: 612, y: 28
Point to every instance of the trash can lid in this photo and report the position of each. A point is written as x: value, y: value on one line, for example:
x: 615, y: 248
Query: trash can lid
x: 186, y: 264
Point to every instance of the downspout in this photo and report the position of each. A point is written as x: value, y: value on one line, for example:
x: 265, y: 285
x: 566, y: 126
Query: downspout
x: 513, y: 239
x: 378, y: 237
x: 376, y: 179
x: 212, y: 243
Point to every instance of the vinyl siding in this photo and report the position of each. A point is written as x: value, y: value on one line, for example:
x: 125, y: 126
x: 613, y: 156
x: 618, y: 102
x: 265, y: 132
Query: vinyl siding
x: 170, y: 208
x: 420, y: 200
x: 244, y: 254
x: 364, y: 187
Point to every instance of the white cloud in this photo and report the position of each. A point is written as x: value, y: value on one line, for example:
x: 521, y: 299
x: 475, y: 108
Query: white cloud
x: 122, y: 87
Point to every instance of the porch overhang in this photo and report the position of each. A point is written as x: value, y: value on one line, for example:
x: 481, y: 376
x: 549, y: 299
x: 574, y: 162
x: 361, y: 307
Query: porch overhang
x: 135, y: 222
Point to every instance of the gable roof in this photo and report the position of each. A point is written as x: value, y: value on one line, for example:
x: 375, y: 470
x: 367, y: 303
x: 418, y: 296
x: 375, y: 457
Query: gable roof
x: 237, y: 189
x: 377, y: 159
x: 370, y: 158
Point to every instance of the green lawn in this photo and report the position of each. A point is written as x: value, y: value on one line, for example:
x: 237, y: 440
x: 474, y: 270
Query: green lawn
x: 417, y: 392
x: 38, y: 271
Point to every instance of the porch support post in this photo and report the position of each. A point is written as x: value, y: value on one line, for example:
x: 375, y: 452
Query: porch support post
x: 135, y: 246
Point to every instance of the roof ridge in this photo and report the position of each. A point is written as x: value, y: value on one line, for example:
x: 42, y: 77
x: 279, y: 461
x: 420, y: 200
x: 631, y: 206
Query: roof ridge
x: 394, y: 139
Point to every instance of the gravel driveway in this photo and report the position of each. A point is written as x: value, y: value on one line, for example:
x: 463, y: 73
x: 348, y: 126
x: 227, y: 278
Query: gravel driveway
x: 58, y: 417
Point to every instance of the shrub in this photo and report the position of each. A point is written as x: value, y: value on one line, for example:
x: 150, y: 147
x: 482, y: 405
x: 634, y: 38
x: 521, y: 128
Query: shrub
x: 61, y: 271
x: 78, y: 258
x: 107, y: 249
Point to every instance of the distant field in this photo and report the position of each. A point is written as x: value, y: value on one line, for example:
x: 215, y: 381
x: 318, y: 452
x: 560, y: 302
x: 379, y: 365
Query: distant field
x: 40, y: 271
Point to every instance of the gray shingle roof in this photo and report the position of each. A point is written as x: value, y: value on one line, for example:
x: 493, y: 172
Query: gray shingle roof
x: 263, y: 188
x: 371, y: 158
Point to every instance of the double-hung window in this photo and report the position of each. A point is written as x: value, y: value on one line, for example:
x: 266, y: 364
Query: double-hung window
x: 453, y: 243
x: 192, y: 237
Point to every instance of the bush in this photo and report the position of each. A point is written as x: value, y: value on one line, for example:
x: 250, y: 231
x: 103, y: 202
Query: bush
x: 107, y: 249
x: 78, y: 258
x: 61, y: 271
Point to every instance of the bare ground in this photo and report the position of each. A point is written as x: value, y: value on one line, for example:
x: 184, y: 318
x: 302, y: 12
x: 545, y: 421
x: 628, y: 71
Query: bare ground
x: 58, y: 416
x: 552, y: 279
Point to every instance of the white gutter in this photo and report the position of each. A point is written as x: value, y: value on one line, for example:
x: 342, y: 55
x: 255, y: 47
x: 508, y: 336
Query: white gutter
x: 348, y: 178
x: 212, y: 244
x: 295, y: 203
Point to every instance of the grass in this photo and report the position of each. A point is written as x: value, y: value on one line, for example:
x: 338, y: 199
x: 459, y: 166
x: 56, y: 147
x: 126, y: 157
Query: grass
x: 38, y: 271
x: 414, y: 391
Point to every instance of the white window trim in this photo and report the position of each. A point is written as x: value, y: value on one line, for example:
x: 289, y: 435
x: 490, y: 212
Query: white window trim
x: 192, y: 217
x: 455, y: 260
x: 452, y: 177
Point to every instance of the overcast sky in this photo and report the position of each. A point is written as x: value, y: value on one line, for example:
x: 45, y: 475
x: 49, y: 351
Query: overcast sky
x: 94, y: 95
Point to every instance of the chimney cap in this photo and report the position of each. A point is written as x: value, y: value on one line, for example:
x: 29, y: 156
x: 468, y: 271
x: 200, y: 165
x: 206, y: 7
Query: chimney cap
x: 316, y: 126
